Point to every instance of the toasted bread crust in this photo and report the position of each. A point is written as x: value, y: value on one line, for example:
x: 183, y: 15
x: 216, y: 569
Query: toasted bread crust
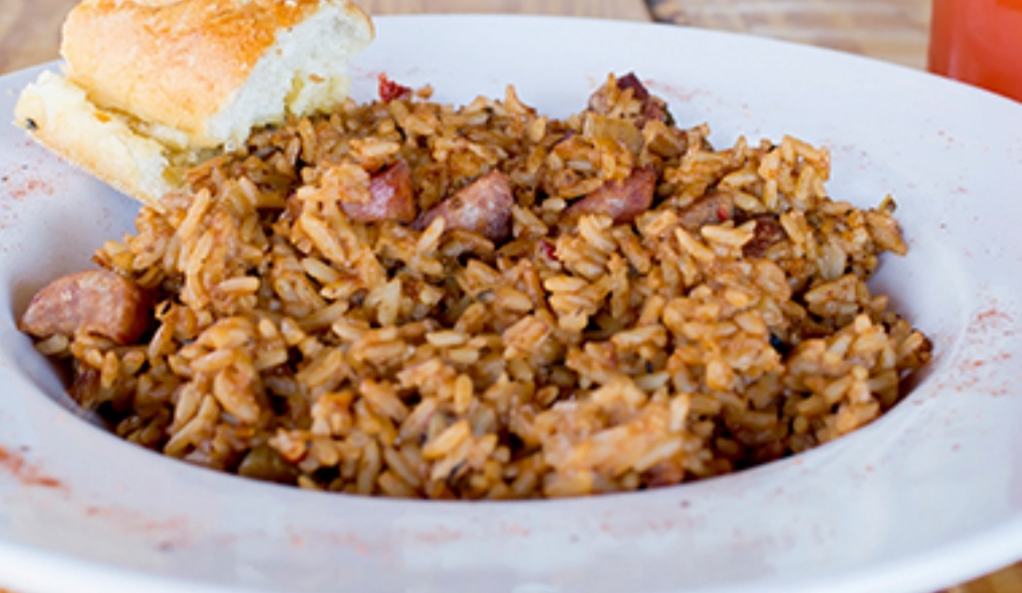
x: 178, y: 63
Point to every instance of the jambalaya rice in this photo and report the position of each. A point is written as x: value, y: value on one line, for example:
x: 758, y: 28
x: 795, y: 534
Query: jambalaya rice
x: 647, y: 310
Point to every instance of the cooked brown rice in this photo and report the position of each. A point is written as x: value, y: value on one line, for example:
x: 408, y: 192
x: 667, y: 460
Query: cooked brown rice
x: 727, y: 325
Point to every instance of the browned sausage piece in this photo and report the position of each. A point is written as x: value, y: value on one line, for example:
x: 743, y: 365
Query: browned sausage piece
x: 631, y: 81
x: 622, y: 200
x: 392, y: 91
x: 652, y: 107
x: 767, y: 233
x: 483, y: 207
x: 97, y: 302
x: 713, y: 209
x: 391, y: 197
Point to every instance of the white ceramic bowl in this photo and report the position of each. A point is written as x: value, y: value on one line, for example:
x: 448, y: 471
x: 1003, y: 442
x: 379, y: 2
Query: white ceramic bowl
x: 928, y: 495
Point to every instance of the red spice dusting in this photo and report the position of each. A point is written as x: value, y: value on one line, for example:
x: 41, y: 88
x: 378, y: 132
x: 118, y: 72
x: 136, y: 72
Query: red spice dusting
x: 173, y: 532
x: 441, y: 535
x: 722, y: 214
x: 672, y: 92
x: 391, y: 91
x: 661, y: 525
x: 986, y: 331
x: 26, y: 474
x: 989, y: 318
x: 353, y: 542
x: 24, y: 182
x: 516, y: 529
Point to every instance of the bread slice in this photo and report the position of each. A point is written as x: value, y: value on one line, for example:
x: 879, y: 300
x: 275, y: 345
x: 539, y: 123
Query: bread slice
x: 153, y: 86
x: 59, y: 115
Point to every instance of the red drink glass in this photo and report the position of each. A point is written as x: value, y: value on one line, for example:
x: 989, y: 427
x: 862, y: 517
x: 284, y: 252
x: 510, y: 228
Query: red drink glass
x: 979, y: 42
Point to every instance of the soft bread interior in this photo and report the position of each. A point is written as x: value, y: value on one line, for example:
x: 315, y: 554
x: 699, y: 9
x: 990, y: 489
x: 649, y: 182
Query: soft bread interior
x: 58, y: 114
x: 304, y: 72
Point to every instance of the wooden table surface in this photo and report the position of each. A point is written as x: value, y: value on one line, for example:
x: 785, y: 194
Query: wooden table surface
x: 893, y: 30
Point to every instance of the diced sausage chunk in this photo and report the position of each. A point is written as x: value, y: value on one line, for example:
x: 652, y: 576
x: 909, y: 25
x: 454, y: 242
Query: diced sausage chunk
x: 391, y: 197
x: 766, y: 234
x: 715, y: 208
x: 622, y: 200
x: 631, y: 81
x: 652, y: 107
x: 97, y: 302
x: 392, y: 91
x: 483, y: 207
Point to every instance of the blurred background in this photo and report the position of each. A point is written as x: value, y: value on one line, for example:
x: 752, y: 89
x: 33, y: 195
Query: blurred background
x: 892, y: 30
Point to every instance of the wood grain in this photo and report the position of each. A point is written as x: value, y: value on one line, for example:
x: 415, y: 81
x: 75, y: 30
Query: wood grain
x: 893, y: 30
x: 616, y: 9
x: 30, y: 29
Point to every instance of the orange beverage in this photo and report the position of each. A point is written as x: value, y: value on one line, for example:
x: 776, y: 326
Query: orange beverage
x: 979, y: 42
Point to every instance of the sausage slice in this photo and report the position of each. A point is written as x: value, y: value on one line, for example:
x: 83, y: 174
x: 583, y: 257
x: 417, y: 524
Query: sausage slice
x: 652, y: 107
x: 767, y: 233
x: 483, y: 207
x: 622, y: 200
x: 96, y: 301
x: 391, y: 197
x: 715, y: 208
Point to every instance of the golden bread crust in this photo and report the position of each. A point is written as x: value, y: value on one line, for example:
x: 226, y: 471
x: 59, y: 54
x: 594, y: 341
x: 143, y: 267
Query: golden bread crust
x: 177, y: 63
